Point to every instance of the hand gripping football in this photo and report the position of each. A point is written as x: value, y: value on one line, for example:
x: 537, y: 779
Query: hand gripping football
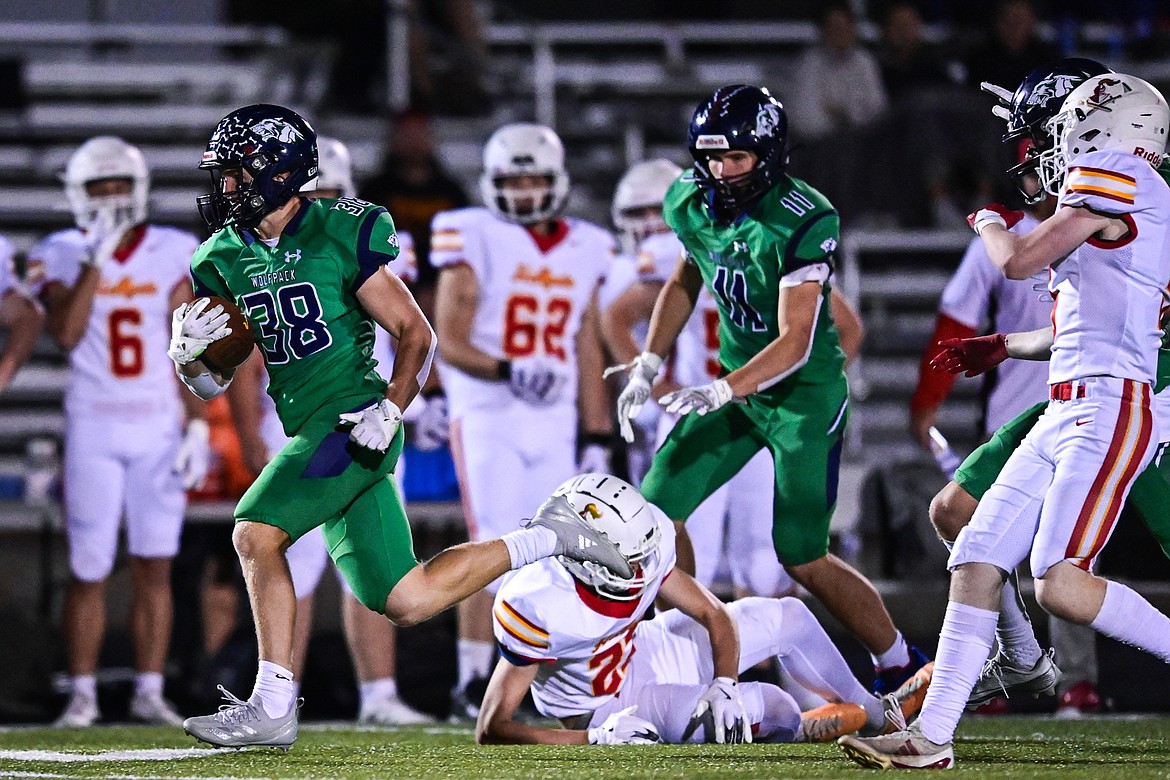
x: 233, y: 349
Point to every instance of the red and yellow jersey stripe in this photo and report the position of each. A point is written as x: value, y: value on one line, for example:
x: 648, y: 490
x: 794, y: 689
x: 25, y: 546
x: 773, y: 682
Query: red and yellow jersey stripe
x: 1104, y: 183
x: 447, y: 240
x: 519, y: 627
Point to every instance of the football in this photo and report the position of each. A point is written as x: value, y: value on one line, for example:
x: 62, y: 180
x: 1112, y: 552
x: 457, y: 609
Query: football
x: 234, y: 348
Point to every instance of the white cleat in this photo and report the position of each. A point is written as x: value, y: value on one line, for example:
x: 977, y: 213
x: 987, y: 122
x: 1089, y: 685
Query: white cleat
x: 900, y: 750
x: 154, y: 710
x: 392, y: 711
x: 82, y: 712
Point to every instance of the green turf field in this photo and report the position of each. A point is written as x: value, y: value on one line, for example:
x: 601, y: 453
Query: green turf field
x: 990, y: 747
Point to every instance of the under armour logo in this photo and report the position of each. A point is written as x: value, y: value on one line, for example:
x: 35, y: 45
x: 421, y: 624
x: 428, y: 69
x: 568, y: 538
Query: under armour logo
x: 292, y: 257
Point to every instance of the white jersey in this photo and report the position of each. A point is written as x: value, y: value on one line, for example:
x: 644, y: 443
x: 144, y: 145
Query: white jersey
x: 8, y: 278
x: 979, y: 294
x: 1109, y: 295
x: 530, y: 300
x: 120, y: 367
x: 583, y: 643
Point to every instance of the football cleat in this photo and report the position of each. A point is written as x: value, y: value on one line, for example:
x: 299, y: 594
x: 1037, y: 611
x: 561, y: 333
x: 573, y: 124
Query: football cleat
x: 1000, y: 677
x: 155, y: 710
x: 242, y: 723
x: 81, y: 712
x: 391, y: 711
x: 889, y: 680
x: 901, y: 750
x: 579, y: 540
x: 907, y: 700
x: 830, y: 721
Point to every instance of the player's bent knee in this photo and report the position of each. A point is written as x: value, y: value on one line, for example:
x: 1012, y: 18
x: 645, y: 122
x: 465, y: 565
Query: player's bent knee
x: 950, y: 510
x: 257, y: 540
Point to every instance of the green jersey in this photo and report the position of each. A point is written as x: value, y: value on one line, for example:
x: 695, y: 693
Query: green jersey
x: 300, y: 297
x: 791, y: 228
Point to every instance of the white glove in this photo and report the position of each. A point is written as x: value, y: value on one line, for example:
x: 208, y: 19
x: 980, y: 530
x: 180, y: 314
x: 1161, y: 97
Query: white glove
x: 594, y: 459
x: 102, y: 235
x: 374, y: 427
x: 536, y: 381
x: 642, y: 370
x: 1003, y: 109
x: 432, y: 429
x: 722, y: 714
x: 701, y: 399
x: 194, y: 456
x: 624, y: 728
x: 193, y: 330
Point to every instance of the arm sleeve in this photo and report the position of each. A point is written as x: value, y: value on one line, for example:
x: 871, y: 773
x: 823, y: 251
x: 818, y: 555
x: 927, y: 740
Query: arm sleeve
x: 967, y: 296
x: 377, y: 245
x: 1105, y: 182
x: 520, y: 631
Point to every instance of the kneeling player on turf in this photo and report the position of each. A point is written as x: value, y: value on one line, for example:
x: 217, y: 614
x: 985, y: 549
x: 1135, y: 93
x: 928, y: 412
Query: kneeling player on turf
x: 569, y: 632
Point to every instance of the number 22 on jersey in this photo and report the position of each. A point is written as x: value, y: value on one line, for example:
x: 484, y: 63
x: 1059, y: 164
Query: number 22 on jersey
x: 610, y: 663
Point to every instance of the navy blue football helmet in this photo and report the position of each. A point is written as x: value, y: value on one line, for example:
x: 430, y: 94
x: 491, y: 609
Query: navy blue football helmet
x: 1038, y: 99
x: 745, y: 118
x: 266, y: 141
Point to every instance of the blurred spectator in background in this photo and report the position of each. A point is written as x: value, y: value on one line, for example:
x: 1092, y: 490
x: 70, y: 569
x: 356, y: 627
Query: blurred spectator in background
x: 1013, y: 49
x: 414, y: 186
x: 907, y: 61
x: 837, y: 84
x: 448, y: 56
x: 20, y: 317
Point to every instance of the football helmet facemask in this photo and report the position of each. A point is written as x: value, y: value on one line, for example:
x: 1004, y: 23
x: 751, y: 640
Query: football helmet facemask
x: 334, y: 169
x: 107, y: 157
x: 746, y: 118
x: 274, y: 146
x: 642, y: 187
x: 1038, y: 98
x: 617, y: 509
x: 524, y: 149
x: 1111, y: 111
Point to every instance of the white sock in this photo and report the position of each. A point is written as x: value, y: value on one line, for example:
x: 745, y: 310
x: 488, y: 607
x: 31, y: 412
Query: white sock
x: 85, y: 685
x: 378, y: 690
x: 963, y: 645
x: 275, y: 690
x: 1014, y: 631
x: 475, y: 658
x: 1129, y: 618
x: 148, y: 684
x: 530, y: 544
x: 896, y: 655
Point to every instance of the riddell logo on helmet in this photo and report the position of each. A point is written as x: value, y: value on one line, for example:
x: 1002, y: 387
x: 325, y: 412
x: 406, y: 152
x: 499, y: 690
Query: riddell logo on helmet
x: 1149, y: 155
x: 712, y: 142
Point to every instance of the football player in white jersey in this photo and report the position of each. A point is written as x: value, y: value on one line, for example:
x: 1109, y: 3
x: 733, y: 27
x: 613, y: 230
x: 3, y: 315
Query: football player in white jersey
x: 109, y: 286
x: 20, y: 316
x: 520, y: 350
x: 370, y: 637
x: 575, y: 636
x: 1060, y: 492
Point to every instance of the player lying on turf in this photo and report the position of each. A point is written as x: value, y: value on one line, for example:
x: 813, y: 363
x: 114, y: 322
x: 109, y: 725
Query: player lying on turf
x: 573, y: 633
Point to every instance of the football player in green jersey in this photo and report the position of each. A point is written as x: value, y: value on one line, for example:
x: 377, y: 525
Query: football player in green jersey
x: 306, y: 275
x: 763, y: 242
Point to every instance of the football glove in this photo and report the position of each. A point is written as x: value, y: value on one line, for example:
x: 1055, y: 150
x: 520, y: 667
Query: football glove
x: 193, y: 329
x: 721, y: 713
x: 974, y: 356
x: 594, y: 459
x: 642, y: 370
x: 374, y: 427
x: 102, y: 235
x: 535, y: 380
x: 995, y: 213
x: 701, y: 399
x: 193, y: 459
x: 432, y: 429
x: 625, y: 728
x: 1003, y: 107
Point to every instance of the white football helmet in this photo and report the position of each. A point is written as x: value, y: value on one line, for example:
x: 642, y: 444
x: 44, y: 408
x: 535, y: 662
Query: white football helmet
x: 1110, y: 111
x: 107, y: 157
x: 616, y: 508
x: 524, y: 149
x: 334, y: 168
x: 644, y: 185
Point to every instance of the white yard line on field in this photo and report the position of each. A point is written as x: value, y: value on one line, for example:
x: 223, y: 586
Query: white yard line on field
x: 151, y: 754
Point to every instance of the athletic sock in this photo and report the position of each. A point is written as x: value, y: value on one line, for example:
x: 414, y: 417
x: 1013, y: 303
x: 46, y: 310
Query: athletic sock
x: 1013, y: 630
x: 274, y: 690
x: 1127, y: 617
x: 895, y: 656
x: 530, y: 544
x: 148, y: 684
x: 382, y: 689
x: 85, y: 685
x: 475, y: 657
x: 963, y: 645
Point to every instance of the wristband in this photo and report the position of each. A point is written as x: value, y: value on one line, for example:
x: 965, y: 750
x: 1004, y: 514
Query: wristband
x: 504, y: 370
x: 602, y: 439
